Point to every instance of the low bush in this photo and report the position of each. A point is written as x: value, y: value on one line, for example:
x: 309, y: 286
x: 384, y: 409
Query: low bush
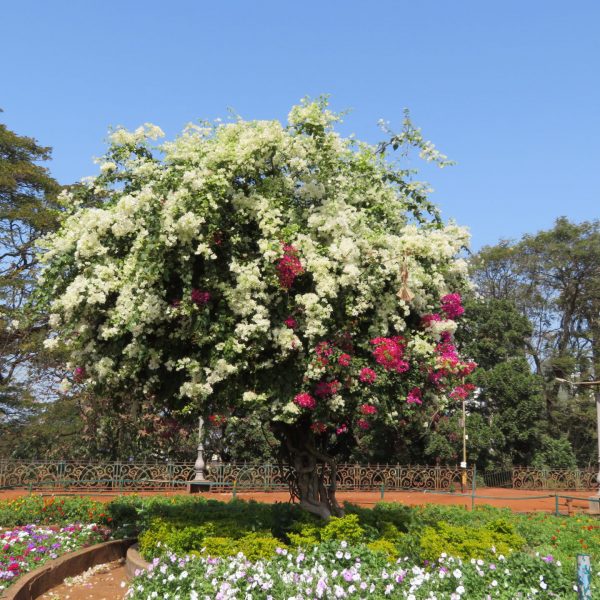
x: 51, y: 510
x: 468, y: 542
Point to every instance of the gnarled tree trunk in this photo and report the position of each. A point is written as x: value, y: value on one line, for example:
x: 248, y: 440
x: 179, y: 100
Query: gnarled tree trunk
x: 299, y: 450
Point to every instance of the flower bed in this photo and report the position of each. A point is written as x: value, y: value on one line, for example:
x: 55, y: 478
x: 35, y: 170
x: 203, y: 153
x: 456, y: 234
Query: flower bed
x: 25, y: 548
x: 208, y: 549
x: 340, y: 570
x: 50, y: 510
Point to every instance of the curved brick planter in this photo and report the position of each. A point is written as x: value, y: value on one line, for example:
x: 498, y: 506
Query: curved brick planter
x: 134, y: 561
x: 53, y: 573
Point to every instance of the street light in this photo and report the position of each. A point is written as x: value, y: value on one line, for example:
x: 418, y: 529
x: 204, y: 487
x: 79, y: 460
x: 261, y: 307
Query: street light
x: 199, y: 483
x: 463, y: 464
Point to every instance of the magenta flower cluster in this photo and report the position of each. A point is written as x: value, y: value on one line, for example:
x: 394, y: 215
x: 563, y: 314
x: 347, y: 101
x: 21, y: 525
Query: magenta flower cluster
x: 289, y: 266
x: 389, y: 353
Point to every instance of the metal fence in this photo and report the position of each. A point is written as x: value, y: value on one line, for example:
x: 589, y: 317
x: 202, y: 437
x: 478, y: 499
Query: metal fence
x: 265, y: 477
x: 141, y: 476
x: 528, y: 478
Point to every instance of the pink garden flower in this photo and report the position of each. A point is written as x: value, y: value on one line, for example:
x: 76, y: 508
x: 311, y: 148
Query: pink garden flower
x: 389, y: 353
x: 327, y: 388
x: 367, y: 375
x: 305, y: 400
x: 427, y: 320
x: 289, y: 266
x: 344, y: 360
x: 452, y: 306
x: 461, y: 392
x: 318, y: 427
x: 199, y: 297
x: 291, y: 322
x: 368, y: 409
x: 363, y: 424
x: 415, y: 396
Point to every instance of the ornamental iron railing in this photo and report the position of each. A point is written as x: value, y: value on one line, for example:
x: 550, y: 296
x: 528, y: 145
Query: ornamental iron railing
x: 263, y: 477
x: 140, y: 476
x: 529, y: 478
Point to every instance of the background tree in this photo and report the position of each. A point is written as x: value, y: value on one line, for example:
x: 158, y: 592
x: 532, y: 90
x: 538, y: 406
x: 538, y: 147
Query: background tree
x: 553, y: 277
x: 27, y: 211
x: 252, y: 268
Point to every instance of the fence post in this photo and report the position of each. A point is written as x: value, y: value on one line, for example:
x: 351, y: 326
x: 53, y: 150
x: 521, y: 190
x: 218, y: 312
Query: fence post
x: 556, y: 509
x: 234, y: 490
x: 382, y: 490
x: 473, y: 485
x: 584, y: 576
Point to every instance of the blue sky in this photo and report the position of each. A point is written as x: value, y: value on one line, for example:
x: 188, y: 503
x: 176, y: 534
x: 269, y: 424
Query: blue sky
x: 509, y: 89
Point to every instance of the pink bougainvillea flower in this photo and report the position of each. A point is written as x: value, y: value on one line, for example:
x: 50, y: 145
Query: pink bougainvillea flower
x: 363, y: 424
x: 323, y: 349
x: 289, y: 266
x: 368, y: 409
x: 389, y: 353
x: 305, y: 400
x: 318, y: 427
x: 79, y: 374
x: 461, y: 392
x: 415, y: 396
x: 367, y: 375
x: 427, y: 320
x: 344, y: 360
x: 291, y: 323
x: 342, y: 429
x: 327, y: 388
x: 199, y: 297
x: 452, y: 306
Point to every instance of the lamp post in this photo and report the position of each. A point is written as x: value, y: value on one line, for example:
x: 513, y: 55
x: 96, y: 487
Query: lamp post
x: 463, y: 464
x: 199, y: 483
x: 199, y: 465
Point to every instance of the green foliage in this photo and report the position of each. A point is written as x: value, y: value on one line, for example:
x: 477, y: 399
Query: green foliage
x: 175, y: 536
x: 385, y: 547
x: 220, y: 538
x: 469, y: 542
x: 554, y: 453
x: 27, y: 211
x: 258, y: 546
x: 343, y: 528
x: 553, y: 278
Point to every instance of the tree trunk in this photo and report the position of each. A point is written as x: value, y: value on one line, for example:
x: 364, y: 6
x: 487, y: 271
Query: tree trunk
x: 309, y: 466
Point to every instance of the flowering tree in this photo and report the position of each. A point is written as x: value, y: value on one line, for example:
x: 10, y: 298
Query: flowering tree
x: 252, y: 267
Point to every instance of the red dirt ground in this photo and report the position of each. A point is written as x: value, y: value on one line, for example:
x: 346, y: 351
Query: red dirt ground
x: 517, y: 500
x: 109, y: 583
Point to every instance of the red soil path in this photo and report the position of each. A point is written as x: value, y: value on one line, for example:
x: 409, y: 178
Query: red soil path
x: 517, y: 500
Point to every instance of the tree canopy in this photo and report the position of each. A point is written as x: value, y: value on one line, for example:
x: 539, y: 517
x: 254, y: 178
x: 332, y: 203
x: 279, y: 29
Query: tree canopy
x: 27, y: 211
x: 256, y: 268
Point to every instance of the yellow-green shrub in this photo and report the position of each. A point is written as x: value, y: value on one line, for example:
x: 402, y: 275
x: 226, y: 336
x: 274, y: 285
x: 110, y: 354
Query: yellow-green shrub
x: 343, y: 529
x: 220, y: 546
x: 468, y: 542
x: 385, y: 547
x: 256, y: 547
x: 174, y: 536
